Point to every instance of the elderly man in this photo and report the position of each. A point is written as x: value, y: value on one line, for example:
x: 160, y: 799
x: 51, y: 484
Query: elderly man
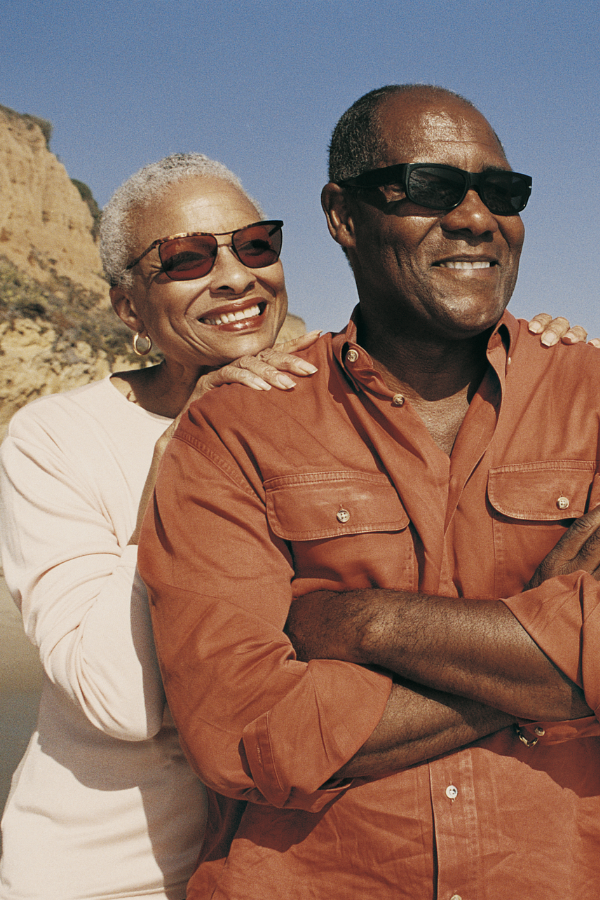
x: 436, y: 744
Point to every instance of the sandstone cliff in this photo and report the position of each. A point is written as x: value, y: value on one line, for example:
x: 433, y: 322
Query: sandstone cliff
x: 45, y: 226
x: 57, y: 329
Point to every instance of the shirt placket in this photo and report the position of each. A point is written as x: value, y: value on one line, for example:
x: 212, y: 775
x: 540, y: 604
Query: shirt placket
x: 454, y: 806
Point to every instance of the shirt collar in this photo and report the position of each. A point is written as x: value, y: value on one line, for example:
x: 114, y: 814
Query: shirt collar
x: 359, y: 369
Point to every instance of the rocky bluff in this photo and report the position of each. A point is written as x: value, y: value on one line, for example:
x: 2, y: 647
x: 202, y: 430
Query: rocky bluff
x: 57, y: 330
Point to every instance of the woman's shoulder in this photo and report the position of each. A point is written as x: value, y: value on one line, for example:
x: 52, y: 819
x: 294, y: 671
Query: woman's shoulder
x: 84, y: 409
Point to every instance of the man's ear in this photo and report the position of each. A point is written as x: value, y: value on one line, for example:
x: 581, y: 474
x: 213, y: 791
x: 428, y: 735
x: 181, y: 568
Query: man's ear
x: 124, y: 306
x: 340, y: 222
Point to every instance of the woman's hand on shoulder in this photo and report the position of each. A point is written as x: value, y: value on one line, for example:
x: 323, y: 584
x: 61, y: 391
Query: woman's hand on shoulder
x: 267, y: 369
x: 552, y: 331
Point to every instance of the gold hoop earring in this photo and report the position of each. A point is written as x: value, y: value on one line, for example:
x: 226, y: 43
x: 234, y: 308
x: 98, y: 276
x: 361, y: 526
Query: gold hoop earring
x: 144, y: 337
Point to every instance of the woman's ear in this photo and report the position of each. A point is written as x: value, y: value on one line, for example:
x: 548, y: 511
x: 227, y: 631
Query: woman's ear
x: 124, y: 306
x: 339, y: 217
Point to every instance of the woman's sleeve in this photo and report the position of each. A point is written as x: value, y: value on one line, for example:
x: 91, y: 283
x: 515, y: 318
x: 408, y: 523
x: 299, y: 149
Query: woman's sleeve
x: 73, y: 576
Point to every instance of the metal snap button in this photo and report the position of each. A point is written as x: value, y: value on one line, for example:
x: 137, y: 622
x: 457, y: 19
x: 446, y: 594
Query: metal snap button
x: 523, y: 739
x: 562, y: 503
x: 539, y: 730
x: 351, y: 356
x: 342, y: 515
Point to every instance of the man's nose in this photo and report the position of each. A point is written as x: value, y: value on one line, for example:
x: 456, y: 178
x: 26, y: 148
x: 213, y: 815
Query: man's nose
x: 471, y: 215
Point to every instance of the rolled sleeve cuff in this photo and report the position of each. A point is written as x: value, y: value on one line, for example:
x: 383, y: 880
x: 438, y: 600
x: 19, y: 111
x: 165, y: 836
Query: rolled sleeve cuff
x: 562, y: 616
x: 290, y: 765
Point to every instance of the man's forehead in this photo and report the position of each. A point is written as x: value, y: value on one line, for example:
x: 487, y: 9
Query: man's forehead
x: 423, y: 128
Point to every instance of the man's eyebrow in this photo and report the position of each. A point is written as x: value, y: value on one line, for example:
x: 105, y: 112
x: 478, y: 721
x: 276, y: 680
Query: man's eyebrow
x: 497, y: 168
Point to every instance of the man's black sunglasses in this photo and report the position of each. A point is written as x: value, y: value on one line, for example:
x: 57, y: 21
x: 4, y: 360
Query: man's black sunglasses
x: 436, y: 186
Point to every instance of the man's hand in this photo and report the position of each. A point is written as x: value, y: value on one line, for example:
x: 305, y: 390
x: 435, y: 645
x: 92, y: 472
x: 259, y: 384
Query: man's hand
x: 578, y: 549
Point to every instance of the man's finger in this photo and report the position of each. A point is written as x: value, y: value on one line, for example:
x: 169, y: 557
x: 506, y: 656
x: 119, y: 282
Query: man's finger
x: 582, y: 531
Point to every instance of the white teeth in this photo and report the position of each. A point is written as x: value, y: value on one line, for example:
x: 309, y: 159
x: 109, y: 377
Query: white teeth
x: 464, y: 264
x: 225, y: 318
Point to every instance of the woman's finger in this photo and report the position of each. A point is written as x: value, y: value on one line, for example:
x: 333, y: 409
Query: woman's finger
x: 234, y: 373
x: 277, y: 359
x: 575, y: 335
x: 555, y: 331
x: 298, y: 343
x: 539, y: 323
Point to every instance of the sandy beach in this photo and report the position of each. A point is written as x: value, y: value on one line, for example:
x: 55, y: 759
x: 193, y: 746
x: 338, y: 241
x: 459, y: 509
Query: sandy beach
x: 20, y: 679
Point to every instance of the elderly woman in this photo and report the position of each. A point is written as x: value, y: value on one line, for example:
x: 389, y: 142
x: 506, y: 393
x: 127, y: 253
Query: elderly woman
x: 103, y: 804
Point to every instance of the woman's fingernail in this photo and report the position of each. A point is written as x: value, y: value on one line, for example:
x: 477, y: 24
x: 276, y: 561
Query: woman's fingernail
x: 535, y: 327
x: 549, y: 340
x: 285, y: 381
x: 305, y: 366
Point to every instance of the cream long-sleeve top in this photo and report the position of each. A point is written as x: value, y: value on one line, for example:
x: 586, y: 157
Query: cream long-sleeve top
x: 103, y: 804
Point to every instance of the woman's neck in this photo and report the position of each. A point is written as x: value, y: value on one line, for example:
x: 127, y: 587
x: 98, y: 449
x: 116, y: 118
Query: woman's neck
x: 163, y: 389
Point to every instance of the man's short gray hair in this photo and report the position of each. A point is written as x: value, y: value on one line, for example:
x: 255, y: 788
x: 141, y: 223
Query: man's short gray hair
x: 147, y: 186
x: 357, y: 143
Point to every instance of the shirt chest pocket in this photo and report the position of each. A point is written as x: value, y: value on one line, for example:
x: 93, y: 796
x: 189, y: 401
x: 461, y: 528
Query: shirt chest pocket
x: 532, y: 505
x: 346, y: 529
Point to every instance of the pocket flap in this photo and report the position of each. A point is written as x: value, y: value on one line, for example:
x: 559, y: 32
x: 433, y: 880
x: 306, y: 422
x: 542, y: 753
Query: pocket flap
x: 328, y: 504
x: 541, y: 491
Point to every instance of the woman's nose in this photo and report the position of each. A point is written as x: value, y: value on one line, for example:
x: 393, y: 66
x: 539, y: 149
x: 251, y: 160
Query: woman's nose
x: 229, y: 273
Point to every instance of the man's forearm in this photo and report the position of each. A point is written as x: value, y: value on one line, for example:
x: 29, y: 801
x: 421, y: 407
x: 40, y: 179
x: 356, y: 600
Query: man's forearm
x: 419, y: 724
x: 470, y: 648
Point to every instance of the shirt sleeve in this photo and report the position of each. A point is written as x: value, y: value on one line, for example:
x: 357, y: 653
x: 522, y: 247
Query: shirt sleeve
x: 83, y: 604
x: 256, y: 723
x: 562, y: 616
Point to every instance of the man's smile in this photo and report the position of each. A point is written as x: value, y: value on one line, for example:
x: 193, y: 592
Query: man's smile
x: 466, y: 264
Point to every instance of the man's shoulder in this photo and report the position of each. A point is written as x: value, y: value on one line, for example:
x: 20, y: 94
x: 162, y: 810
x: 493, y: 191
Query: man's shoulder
x: 579, y: 363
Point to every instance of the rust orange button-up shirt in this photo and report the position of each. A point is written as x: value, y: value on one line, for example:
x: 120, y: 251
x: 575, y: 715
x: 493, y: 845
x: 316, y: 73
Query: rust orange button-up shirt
x: 338, y: 485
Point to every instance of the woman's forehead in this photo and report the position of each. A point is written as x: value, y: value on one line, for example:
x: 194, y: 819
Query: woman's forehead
x: 194, y: 204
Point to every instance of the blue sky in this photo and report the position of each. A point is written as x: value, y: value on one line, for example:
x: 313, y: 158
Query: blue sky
x: 261, y: 85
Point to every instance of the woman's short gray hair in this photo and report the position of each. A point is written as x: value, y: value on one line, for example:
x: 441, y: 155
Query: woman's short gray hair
x: 117, y: 228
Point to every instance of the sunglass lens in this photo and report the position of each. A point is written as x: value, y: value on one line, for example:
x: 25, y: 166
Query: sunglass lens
x: 505, y: 193
x: 436, y: 188
x: 258, y: 245
x: 189, y: 257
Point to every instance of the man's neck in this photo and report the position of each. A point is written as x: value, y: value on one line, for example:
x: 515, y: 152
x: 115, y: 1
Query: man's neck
x: 439, y: 377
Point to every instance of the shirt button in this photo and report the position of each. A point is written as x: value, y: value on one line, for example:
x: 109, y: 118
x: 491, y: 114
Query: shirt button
x: 539, y: 730
x: 562, y: 503
x: 455, y: 897
x: 397, y: 400
x: 351, y: 356
x: 342, y: 515
x: 451, y: 792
